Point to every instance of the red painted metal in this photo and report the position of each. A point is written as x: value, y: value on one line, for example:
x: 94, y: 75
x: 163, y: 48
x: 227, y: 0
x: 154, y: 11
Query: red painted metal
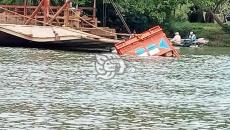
x: 46, y: 14
x: 25, y: 8
x: 43, y: 13
x: 29, y: 7
x: 35, y: 12
x: 66, y: 13
x: 152, y: 42
x: 59, y: 11
x: 46, y: 7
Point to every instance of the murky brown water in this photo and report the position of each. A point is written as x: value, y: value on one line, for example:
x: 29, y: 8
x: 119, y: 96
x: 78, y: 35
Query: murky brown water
x: 45, y: 89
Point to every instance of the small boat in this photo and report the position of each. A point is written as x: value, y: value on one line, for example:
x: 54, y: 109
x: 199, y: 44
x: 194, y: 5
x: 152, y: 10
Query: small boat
x: 188, y: 43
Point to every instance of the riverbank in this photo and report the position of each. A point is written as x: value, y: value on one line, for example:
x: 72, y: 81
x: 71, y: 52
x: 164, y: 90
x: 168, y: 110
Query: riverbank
x: 211, y: 31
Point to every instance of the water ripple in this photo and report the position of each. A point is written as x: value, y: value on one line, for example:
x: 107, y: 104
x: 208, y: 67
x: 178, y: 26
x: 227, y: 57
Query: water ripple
x: 44, y: 89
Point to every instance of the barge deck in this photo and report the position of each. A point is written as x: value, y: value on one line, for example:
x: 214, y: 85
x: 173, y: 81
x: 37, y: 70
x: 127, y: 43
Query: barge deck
x: 48, y: 26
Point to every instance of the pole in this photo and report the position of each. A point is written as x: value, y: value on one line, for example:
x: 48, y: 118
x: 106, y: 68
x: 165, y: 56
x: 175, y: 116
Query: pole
x: 94, y: 11
x: 46, y: 5
x: 66, y: 12
x: 104, y: 13
x: 25, y: 9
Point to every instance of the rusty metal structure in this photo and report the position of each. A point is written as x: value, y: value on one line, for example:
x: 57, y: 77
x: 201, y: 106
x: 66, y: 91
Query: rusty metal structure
x: 44, y: 14
x: 63, y: 26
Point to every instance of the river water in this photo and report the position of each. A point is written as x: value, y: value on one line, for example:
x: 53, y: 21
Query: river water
x: 48, y: 89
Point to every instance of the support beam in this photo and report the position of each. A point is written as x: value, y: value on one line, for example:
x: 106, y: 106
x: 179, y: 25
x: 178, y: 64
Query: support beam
x: 25, y: 7
x: 58, y: 12
x: 46, y: 7
x: 94, y: 12
x: 35, y: 12
x: 66, y: 13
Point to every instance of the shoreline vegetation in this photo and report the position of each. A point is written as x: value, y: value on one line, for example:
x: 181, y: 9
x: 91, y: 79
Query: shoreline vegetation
x: 141, y: 15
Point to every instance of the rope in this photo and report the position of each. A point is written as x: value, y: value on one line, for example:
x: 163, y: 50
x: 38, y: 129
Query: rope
x: 120, y: 15
x: 120, y: 34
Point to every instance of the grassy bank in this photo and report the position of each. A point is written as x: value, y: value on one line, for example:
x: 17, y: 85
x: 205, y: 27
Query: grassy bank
x: 211, y: 31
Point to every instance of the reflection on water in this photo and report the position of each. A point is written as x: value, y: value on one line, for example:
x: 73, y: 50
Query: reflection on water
x: 44, y: 89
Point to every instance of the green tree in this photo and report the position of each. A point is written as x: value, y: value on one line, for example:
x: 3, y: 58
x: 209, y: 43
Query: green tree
x: 214, y: 6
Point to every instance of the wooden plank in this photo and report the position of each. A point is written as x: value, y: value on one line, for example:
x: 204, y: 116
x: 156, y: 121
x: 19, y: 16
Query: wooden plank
x: 48, y: 33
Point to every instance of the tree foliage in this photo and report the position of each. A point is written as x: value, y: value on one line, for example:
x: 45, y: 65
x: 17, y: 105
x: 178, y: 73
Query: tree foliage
x: 144, y: 13
x: 215, y: 6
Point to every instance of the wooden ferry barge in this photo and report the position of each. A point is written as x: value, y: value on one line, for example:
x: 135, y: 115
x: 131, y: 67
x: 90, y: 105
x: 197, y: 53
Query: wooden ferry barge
x: 47, y: 26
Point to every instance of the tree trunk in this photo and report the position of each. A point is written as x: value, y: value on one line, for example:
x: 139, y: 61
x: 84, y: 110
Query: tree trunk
x: 217, y: 5
x: 216, y: 18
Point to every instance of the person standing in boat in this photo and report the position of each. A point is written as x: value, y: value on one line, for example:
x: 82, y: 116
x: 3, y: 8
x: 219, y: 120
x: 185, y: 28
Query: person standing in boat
x: 177, y: 39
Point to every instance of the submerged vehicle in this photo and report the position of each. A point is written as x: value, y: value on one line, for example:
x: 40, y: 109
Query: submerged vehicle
x: 152, y: 42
